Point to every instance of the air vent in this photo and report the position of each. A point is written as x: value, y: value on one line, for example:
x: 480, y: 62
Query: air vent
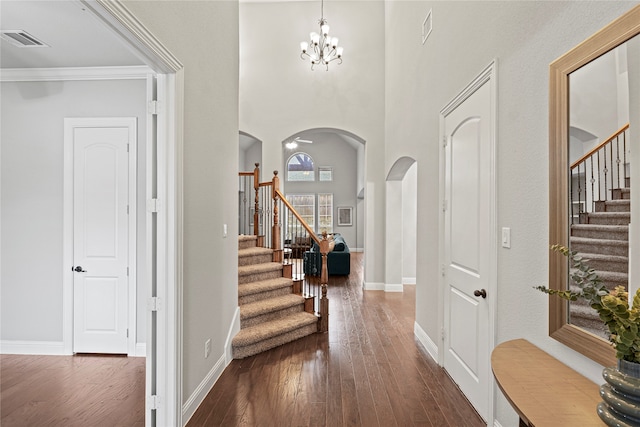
x: 21, y: 38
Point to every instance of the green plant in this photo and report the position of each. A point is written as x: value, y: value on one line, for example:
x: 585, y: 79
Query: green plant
x: 622, y: 321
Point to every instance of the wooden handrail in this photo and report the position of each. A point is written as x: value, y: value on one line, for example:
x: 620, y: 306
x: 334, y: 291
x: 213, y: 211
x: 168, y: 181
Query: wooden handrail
x: 599, y: 146
x: 298, y: 217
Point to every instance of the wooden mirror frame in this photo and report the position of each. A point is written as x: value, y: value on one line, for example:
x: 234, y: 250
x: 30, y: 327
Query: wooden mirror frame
x: 611, y: 36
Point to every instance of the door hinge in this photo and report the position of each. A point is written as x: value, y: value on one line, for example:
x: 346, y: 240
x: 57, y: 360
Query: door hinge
x: 127, y: 271
x: 153, y: 402
x: 127, y: 148
x: 445, y: 141
x: 442, y: 270
x: 153, y: 205
x: 442, y: 334
x: 127, y: 209
x: 127, y: 332
x: 444, y: 206
x: 154, y: 107
x: 154, y: 304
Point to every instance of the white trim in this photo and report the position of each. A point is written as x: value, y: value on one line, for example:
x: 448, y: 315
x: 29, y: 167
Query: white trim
x: 408, y: 280
x: 198, y: 395
x: 393, y: 288
x: 489, y: 74
x: 428, y: 344
x: 496, y: 423
x: 234, y: 328
x: 373, y: 286
x: 141, y: 350
x: 356, y: 249
x: 137, y: 72
x: 44, y: 348
x: 67, y: 230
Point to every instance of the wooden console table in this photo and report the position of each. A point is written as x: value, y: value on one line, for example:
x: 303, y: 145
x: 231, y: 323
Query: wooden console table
x: 543, y: 390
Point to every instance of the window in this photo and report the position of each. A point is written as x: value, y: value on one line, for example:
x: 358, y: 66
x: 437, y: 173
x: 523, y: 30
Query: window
x: 300, y: 168
x: 325, y: 212
x: 305, y: 204
x: 325, y: 173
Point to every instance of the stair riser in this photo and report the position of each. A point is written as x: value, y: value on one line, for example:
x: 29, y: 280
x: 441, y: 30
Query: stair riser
x: 620, y: 250
x: 621, y: 194
x: 255, y: 259
x: 246, y: 244
x: 609, y: 265
x: 264, y: 295
x: 279, y: 314
x: 613, y: 206
x: 601, y: 234
x: 612, y: 283
x: 608, y: 220
x: 247, y: 278
x: 259, y: 347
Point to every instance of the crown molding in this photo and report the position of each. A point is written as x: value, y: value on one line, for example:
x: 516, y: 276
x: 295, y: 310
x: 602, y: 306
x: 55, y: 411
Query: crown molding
x: 73, y: 73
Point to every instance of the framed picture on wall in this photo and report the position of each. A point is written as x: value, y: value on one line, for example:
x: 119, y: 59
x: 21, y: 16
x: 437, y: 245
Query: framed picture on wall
x: 345, y: 216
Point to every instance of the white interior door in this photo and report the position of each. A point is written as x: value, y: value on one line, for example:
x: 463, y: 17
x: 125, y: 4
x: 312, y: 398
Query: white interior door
x: 468, y: 246
x: 101, y: 234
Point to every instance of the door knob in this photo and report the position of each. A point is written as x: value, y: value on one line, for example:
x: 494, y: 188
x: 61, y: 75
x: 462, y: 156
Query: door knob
x: 78, y: 269
x: 480, y: 293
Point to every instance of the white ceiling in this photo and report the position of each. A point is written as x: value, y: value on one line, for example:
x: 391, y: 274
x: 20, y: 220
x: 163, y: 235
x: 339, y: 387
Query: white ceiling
x: 75, y: 36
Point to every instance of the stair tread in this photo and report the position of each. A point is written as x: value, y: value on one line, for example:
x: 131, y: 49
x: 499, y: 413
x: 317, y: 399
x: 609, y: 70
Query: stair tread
x: 590, y: 240
x: 600, y: 227
x: 270, y: 305
x: 251, y: 288
x: 247, y: 252
x: 266, y: 330
x: 594, y: 256
x: 245, y: 237
x: 611, y: 214
x: 259, y: 268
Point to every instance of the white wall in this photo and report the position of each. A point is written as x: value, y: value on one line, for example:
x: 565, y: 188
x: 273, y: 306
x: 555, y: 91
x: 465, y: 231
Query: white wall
x: 409, y: 224
x: 280, y: 95
x: 525, y: 37
x: 32, y: 143
x: 203, y: 35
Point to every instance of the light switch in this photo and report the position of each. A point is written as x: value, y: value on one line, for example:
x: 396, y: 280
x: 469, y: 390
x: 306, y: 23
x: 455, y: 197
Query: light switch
x: 506, y: 237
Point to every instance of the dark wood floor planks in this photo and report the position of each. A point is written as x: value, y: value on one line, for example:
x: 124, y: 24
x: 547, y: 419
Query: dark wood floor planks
x: 367, y: 371
x: 71, y: 391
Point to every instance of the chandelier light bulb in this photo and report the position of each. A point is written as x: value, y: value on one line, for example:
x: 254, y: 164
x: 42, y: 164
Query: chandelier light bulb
x: 321, y: 49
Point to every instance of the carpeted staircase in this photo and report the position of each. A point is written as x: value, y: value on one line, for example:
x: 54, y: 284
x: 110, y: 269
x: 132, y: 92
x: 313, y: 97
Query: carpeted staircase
x: 603, y: 239
x: 270, y: 313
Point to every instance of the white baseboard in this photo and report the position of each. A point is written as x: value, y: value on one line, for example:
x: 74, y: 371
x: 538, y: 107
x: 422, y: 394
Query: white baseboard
x: 44, y: 348
x: 409, y: 280
x: 141, y: 350
x: 393, y: 288
x: 233, y: 330
x: 496, y: 423
x: 372, y: 286
x: 198, y: 395
x: 429, y: 345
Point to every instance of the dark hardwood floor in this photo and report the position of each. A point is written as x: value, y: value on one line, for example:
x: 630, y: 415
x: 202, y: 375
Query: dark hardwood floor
x: 71, y: 391
x: 368, y: 370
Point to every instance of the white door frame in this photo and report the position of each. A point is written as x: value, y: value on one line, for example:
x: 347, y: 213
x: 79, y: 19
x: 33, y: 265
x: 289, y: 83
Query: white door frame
x: 164, y: 386
x: 489, y: 76
x: 70, y: 124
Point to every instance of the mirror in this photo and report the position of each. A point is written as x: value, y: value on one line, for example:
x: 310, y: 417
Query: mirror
x: 591, y: 103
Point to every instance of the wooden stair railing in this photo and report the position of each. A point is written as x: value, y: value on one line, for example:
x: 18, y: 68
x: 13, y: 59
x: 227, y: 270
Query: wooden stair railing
x: 280, y: 226
x: 598, y: 174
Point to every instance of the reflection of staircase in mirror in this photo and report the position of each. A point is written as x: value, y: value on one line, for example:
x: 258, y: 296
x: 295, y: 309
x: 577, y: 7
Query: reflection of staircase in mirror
x: 602, y: 237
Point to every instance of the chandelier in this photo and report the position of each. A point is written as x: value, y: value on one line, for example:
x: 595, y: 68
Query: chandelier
x: 321, y: 49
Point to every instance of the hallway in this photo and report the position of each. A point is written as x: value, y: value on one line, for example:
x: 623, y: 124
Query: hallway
x: 367, y: 371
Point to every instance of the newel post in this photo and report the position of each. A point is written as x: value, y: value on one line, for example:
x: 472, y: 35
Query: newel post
x: 256, y: 210
x: 275, y: 234
x: 324, y: 279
